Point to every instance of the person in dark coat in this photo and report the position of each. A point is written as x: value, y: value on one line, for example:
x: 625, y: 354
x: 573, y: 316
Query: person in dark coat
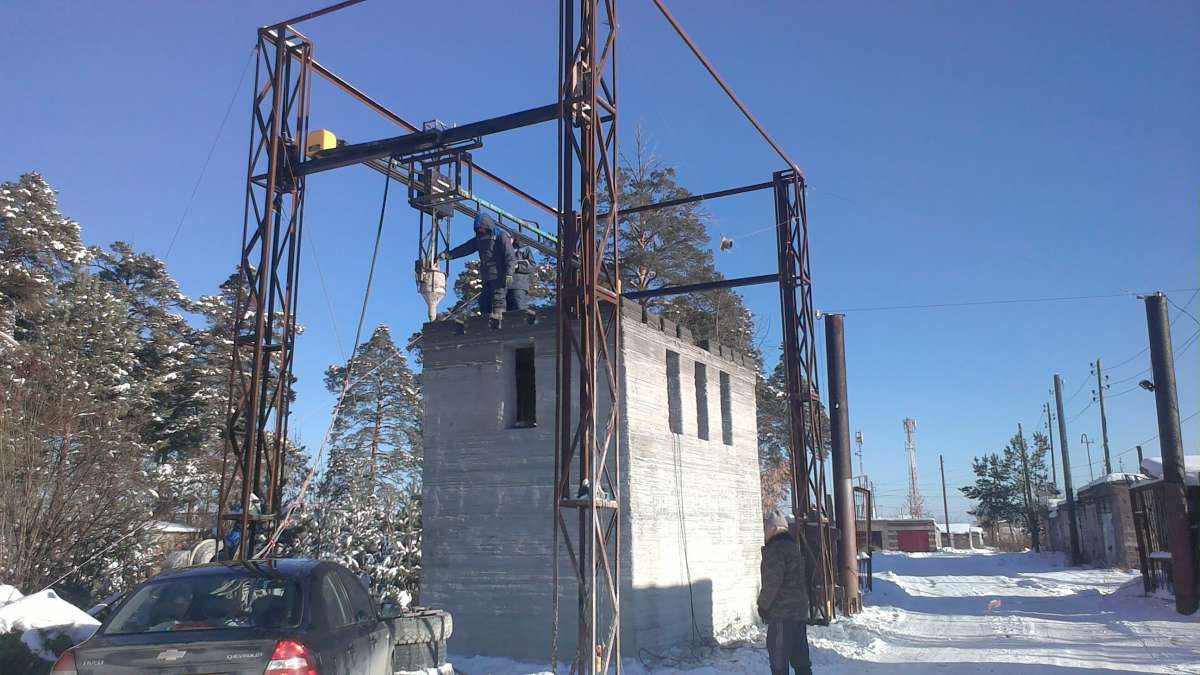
x: 496, y: 263
x: 783, y: 600
x: 518, y: 290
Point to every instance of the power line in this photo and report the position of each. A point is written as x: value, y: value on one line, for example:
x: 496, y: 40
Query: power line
x: 1176, y: 353
x: 1184, y: 310
x: 1082, y: 384
x: 1131, y: 448
x: 1195, y: 291
x: 1080, y: 413
x: 1004, y: 301
x: 195, y: 188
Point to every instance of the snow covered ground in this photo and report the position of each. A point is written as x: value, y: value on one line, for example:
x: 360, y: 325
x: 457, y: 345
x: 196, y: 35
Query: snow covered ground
x: 41, y: 617
x: 973, y: 612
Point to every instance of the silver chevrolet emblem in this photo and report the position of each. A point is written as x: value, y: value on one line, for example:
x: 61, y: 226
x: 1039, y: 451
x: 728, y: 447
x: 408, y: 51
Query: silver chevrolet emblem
x: 171, y: 655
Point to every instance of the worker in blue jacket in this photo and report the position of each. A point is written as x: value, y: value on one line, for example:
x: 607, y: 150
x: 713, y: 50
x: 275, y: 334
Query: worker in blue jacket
x: 523, y: 267
x: 497, y: 263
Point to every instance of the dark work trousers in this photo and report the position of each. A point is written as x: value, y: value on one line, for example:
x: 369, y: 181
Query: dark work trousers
x: 491, y: 298
x: 787, y: 644
x: 518, y: 299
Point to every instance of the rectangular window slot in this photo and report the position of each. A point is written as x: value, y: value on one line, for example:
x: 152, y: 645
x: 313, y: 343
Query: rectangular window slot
x: 526, y: 389
x: 726, y: 410
x: 674, y: 400
x: 701, y: 401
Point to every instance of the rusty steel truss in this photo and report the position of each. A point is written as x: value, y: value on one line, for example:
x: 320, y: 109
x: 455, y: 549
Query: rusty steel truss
x: 587, y: 477
x: 264, y: 318
x: 589, y: 322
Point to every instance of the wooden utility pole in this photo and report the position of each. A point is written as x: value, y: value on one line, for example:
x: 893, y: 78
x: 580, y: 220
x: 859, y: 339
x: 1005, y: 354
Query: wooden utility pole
x: 1030, y: 514
x: 1068, y: 487
x: 1050, y: 435
x: 1103, y: 418
x: 946, y: 504
x: 1170, y: 438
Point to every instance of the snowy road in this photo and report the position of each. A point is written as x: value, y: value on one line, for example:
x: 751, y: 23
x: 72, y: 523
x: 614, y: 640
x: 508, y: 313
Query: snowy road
x: 929, y: 613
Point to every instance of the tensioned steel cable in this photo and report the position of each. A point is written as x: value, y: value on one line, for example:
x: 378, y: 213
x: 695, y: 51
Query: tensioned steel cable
x: 725, y: 87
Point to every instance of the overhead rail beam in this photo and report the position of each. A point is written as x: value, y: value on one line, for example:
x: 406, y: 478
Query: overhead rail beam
x: 425, y: 140
x: 358, y: 95
x: 528, y: 233
x: 698, y: 288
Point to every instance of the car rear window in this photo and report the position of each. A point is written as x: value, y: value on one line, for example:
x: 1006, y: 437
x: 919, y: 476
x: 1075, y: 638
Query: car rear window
x: 209, y: 602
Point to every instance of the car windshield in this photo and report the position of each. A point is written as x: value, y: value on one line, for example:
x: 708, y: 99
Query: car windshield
x: 208, y: 602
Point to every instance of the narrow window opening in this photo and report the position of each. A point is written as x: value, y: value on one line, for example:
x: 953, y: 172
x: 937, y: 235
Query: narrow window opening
x: 726, y: 411
x: 701, y: 401
x: 674, y: 400
x: 526, y: 391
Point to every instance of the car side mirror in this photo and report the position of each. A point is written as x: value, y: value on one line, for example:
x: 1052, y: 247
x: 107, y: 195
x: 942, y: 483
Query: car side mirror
x: 390, y: 610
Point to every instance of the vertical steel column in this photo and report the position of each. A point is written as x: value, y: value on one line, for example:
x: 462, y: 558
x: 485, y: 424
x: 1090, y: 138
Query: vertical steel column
x: 1175, y: 506
x: 809, y: 495
x: 589, y: 328
x: 843, y: 488
x: 264, y: 319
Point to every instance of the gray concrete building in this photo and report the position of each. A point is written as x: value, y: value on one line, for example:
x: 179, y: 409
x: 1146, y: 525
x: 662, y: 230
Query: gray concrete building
x: 691, y: 526
x: 1105, y: 521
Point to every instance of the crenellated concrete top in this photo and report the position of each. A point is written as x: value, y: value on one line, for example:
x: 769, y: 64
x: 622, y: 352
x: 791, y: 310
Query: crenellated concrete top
x: 522, y: 323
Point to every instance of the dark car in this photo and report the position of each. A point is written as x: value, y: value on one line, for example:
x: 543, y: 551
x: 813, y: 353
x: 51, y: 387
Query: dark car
x: 268, y: 617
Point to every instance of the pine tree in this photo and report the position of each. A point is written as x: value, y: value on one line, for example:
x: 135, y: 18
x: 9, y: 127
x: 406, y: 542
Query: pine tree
x: 40, y: 248
x: 672, y: 247
x: 166, y: 351
x: 995, y: 490
x: 1039, y: 473
x: 774, y: 437
x: 376, y: 439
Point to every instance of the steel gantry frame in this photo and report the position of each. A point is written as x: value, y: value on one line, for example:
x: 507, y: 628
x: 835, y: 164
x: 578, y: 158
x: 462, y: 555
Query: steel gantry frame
x: 588, y: 329
x: 264, y: 318
x: 588, y: 293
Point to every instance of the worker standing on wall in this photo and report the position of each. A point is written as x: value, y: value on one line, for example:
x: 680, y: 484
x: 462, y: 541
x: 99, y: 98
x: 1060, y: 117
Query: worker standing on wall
x: 496, y: 263
x: 518, y: 290
x: 783, y: 600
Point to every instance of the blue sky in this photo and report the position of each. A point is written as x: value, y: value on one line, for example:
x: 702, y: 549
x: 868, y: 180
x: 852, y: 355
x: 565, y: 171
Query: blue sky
x: 956, y: 152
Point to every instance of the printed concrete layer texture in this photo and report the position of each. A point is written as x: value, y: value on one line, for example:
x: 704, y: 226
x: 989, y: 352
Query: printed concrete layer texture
x: 695, y: 507
x: 488, y: 542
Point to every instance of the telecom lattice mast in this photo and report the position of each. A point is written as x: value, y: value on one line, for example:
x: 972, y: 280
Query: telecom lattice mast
x: 916, y: 504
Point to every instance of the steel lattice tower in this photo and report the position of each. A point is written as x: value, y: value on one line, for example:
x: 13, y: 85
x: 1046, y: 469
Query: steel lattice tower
x: 915, y: 504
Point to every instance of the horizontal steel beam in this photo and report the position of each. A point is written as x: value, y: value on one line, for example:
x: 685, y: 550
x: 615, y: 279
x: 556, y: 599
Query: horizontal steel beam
x: 706, y: 286
x: 418, y: 141
x: 627, y: 210
x: 312, y: 15
x: 339, y: 82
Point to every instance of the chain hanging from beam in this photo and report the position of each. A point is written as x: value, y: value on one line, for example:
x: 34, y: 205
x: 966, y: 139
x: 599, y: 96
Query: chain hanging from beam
x: 588, y: 331
x: 810, y: 503
x: 264, y: 317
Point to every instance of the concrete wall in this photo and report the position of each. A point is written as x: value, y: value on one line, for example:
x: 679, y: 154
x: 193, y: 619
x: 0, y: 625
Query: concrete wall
x: 1106, y: 531
x: 486, y: 513
x: 1106, y: 534
x: 488, y: 546
x: 694, y: 504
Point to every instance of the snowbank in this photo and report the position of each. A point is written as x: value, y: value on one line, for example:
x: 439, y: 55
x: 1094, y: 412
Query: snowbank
x: 43, y: 616
x: 9, y: 593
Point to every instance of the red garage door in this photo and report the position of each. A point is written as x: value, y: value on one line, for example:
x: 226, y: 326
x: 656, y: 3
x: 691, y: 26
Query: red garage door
x: 913, y: 541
